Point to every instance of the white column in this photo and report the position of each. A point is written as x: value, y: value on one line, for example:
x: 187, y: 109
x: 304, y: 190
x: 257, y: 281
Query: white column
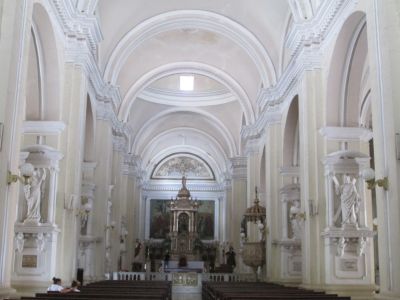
x: 52, y: 194
x: 384, y: 55
x: 14, y: 48
x: 311, y: 174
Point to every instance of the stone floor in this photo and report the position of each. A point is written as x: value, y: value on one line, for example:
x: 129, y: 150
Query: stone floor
x: 186, y: 296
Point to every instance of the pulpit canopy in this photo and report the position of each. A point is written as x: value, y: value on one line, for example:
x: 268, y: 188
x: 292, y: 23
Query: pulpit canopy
x: 256, y: 212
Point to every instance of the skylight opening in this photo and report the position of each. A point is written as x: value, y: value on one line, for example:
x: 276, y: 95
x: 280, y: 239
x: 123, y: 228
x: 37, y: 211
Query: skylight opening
x: 186, y: 82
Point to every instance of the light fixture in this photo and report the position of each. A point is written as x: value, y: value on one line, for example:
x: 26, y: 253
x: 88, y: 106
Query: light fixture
x: 368, y: 175
x: 110, y: 226
x: 27, y: 170
x: 186, y: 82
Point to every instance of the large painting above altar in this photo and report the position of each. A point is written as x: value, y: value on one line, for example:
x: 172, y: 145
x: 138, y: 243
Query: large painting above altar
x: 160, y: 219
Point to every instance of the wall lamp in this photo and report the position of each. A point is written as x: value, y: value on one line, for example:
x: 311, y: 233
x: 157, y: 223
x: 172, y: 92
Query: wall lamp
x: 111, y: 226
x: 27, y: 170
x: 368, y: 175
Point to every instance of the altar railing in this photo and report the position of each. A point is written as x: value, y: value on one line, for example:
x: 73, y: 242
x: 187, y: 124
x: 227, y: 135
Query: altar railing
x: 215, y: 277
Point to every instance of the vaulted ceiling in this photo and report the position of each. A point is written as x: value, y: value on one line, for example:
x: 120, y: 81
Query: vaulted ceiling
x: 232, y: 49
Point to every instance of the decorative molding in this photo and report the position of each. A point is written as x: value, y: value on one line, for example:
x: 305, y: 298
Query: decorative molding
x: 82, y: 34
x: 335, y: 233
x: 257, y: 129
x: 239, y: 167
x: 151, y: 186
x: 131, y: 165
x: 43, y: 127
x: 290, y: 171
x: 42, y: 156
x: 344, y: 134
x: 288, y: 244
x: 198, y: 68
x: 253, y: 146
x: 183, y: 164
x: 180, y: 98
x: 119, y: 143
x: 192, y: 19
x: 305, y: 40
x: 76, y: 25
x: 290, y: 192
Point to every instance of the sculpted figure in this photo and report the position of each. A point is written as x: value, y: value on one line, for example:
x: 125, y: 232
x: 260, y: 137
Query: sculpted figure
x: 349, y: 200
x: 296, y: 219
x: 32, y: 195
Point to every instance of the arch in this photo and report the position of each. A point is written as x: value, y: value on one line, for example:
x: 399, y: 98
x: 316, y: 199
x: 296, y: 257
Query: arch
x: 191, y: 19
x: 34, y: 103
x: 291, y: 135
x: 186, y: 67
x: 89, y: 152
x: 218, y: 125
x: 193, y: 160
x: 49, y: 62
x: 218, y: 166
x: 263, y: 175
x: 347, y: 63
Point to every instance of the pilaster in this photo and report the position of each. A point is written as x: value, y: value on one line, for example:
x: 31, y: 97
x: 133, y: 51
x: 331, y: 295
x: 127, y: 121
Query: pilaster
x: 72, y: 144
x: 237, y: 206
x: 103, y: 180
x: 384, y: 58
x: 312, y: 148
x: 14, y: 48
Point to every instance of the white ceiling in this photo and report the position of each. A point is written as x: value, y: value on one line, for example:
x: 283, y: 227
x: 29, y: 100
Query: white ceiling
x: 232, y: 47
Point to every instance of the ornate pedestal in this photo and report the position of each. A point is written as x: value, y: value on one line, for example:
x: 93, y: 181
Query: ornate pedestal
x: 348, y: 240
x: 291, y: 260
x: 35, y: 249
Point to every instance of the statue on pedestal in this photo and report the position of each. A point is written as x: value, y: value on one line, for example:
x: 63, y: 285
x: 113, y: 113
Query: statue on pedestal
x: 32, y: 194
x: 349, y: 200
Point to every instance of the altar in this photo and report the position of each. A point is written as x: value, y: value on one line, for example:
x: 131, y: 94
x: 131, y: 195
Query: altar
x: 192, y: 266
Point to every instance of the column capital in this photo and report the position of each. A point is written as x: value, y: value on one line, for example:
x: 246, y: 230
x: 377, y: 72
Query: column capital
x: 239, y: 167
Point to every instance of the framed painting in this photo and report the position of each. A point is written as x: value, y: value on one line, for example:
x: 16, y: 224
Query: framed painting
x: 159, y: 218
x: 206, y: 220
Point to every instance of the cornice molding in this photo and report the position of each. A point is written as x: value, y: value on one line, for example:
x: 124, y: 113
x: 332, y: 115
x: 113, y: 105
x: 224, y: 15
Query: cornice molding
x: 305, y: 40
x: 131, y: 165
x: 82, y: 34
x: 76, y: 25
x: 347, y: 134
x: 43, y: 127
x: 193, y: 187
x: 256, y: 130
x: 119, y: 143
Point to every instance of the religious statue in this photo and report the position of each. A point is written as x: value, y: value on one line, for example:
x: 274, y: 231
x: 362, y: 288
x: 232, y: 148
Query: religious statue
x: 183, y: 182
x: 230, y: 258
x: 138, y: 256
x: 32, y: 194
x: 296, y: 219
x: 349, y: 200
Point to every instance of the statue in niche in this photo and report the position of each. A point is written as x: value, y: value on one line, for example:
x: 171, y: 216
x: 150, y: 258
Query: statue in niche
x: 349, y: 200
x: 32, y: 192
x: 296, y: 220
x: 183, y: 227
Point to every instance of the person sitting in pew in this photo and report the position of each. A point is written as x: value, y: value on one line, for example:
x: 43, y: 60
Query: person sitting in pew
x: 57, y: 287
x: 75, y: 286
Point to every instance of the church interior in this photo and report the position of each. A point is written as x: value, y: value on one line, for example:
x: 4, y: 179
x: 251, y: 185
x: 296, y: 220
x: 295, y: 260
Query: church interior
x: 196, y: 143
